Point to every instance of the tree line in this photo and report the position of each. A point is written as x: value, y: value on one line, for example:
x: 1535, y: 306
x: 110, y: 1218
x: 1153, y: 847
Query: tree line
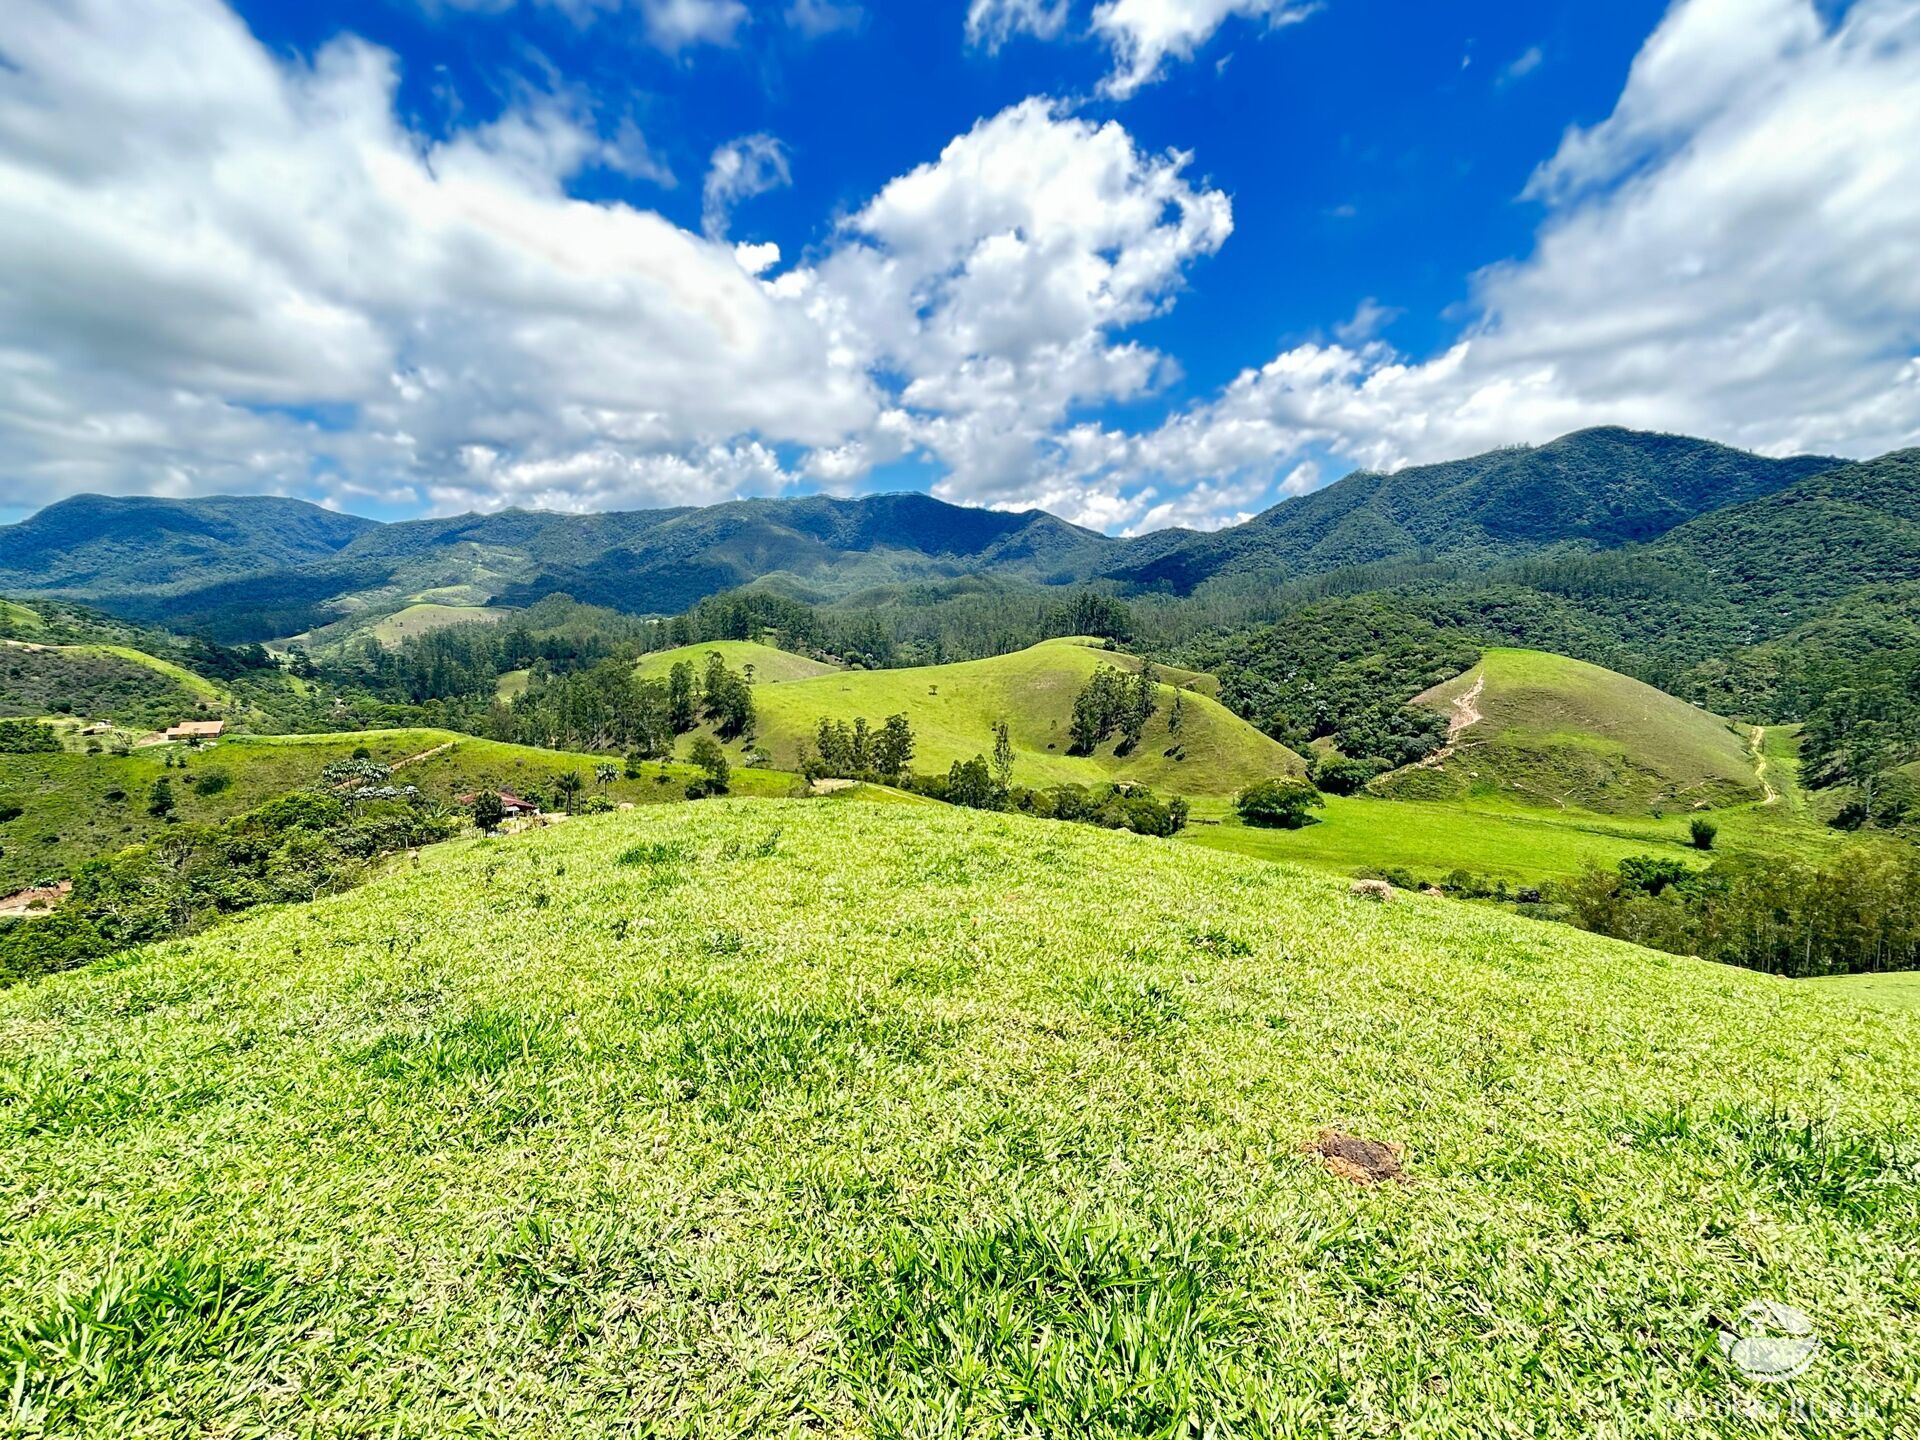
x: 1858, y: 912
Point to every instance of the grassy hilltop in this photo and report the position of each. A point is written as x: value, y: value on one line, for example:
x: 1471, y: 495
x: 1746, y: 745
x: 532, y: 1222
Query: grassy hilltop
x: 1560, y: 732
x: 748, y: 1118
x: 771, y: 666
x: 953, y: 709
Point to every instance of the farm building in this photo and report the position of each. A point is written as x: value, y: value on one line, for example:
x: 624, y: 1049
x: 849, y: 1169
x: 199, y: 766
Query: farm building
x: 515, y: 807
x: 197, y: 730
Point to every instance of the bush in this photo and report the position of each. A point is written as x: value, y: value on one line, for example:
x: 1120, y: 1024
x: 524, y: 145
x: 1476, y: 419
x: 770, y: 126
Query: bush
x: 1278, y: 804
x: 1702, y: 833
x: 1339, y: 775
x: 713, y: 760
x: 212, y: 783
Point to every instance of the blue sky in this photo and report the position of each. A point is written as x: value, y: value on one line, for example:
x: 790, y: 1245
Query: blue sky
x: 1377, y: 149
x: 1141, y: 262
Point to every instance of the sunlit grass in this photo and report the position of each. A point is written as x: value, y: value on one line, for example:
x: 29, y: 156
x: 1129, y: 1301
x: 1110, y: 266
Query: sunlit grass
x: 747, y: 1118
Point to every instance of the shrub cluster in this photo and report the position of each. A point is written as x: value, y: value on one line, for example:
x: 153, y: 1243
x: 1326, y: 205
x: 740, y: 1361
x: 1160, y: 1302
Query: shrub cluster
x: 26, y: 737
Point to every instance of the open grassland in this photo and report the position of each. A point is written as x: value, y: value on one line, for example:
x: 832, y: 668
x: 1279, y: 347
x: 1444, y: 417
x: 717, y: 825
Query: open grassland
x: 1500, y: 839
x: 743, y: 1119
x: 23, y: 619
x: 416, y: 617
x: 1560, y: 732
x: 1898, y: 991
x: 771, y: 666
x: 419, y: 619
x: 953, y: 709
x: 76, y: 807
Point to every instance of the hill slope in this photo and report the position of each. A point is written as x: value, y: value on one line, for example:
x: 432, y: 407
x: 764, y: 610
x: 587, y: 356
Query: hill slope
x: 1785, y: 556
x: 747, y: 1119
x: 1555, y: 731
x: 75, y: 808
x: 953, y: 709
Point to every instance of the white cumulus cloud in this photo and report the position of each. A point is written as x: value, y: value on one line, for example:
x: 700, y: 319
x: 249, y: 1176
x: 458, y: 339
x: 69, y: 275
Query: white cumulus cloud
x: 224, y: 271
x: 1734, y: 252
x: 991, y: 23
x: 1146, y: 34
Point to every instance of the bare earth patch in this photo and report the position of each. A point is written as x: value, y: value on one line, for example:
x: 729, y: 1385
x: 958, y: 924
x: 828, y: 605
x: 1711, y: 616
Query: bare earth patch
x: 1365, y: 1162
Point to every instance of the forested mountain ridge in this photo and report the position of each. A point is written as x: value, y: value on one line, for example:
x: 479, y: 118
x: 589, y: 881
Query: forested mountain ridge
x: 92, y: 545
x: 646, y: 561
x: 1603, y: 487
x: 1814, y: 542
x: 239, y: 569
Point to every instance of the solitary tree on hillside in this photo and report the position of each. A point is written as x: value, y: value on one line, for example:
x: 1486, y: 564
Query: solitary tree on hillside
x: 1002, y: 756
x: 680, y: 712
x: 713, y: 761
x: 160, y: 799
x: 1282, y: 804
x: 605, y: 773
x: 488, y: 811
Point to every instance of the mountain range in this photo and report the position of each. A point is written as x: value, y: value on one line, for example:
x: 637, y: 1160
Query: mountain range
x: 256, y: 568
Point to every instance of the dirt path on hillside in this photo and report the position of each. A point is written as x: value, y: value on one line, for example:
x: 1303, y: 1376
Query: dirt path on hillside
x: 1756, y: 742
x: 1466, y: 714
x: 423, y: 755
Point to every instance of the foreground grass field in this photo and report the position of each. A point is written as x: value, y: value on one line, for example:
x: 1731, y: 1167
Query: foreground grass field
x: 815, y: 1118
x: 1560, y: 732
x: 953, y: 709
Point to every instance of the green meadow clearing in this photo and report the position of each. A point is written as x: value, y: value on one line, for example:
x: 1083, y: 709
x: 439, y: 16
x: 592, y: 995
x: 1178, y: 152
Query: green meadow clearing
x: 1501, y: 838
x: 750, y: 1118
x: 1897, y: 991
x: 770, y: 665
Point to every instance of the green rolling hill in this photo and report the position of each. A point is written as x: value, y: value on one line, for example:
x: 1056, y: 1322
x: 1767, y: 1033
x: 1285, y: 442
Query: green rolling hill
x: 771, y: 666
x: 953, y: 709
x: 1543, y: 730
x: 840, y: 1119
